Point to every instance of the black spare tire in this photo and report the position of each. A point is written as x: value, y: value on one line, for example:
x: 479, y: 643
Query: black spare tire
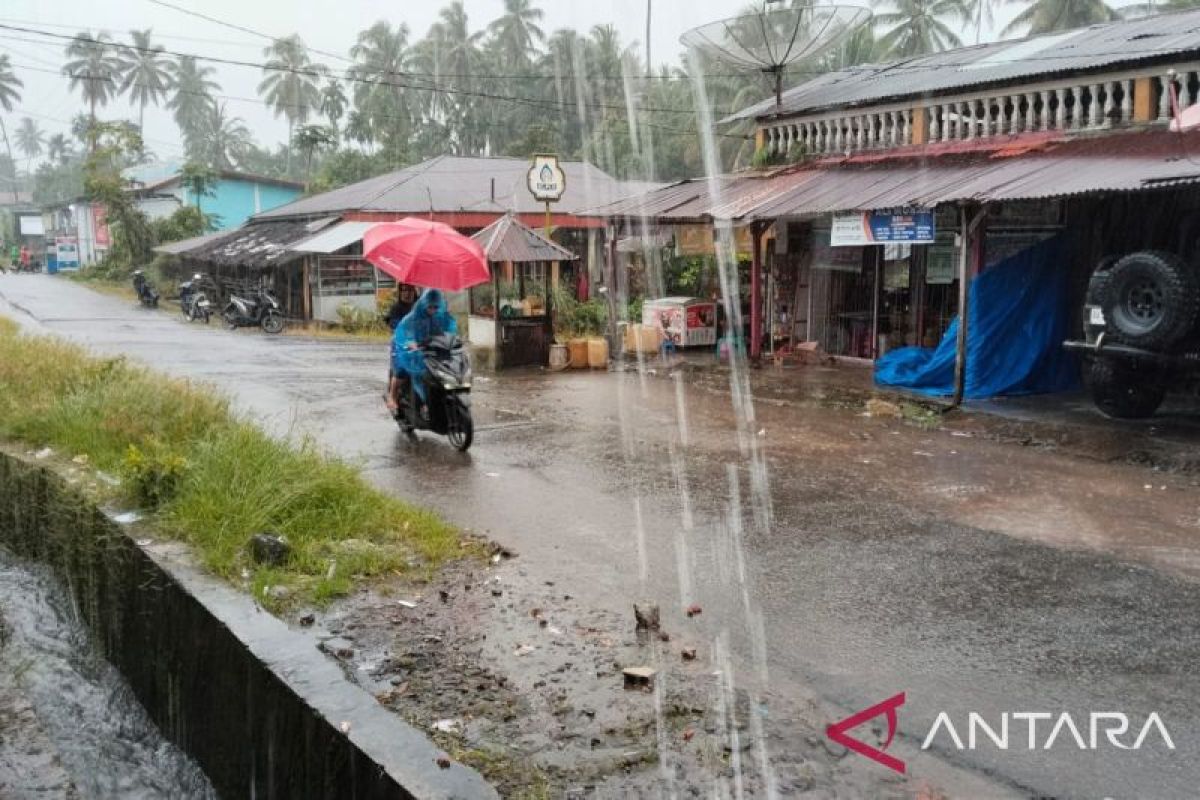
x: 1151, y: 300
x: 1126, y: 389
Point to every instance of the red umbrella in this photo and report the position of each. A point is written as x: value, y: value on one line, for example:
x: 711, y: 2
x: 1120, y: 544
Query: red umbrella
x: 425, y: 253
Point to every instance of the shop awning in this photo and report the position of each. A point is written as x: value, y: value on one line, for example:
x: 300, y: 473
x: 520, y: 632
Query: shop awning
x: 335, y: 238
x: 1130, y: 162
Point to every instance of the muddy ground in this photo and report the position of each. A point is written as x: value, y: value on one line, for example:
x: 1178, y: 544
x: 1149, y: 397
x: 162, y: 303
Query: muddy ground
x: 840, y: 553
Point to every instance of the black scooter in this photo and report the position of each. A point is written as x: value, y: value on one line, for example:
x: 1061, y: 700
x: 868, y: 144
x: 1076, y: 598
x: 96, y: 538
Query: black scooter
x: 263, y: 311
x: 147, y: 295
x: 193, y: 300
x: 447, y: 382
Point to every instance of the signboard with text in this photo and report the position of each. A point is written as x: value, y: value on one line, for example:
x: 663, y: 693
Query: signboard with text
x: 67, y: 252
x: 909, y: 225
x: 546, y: 179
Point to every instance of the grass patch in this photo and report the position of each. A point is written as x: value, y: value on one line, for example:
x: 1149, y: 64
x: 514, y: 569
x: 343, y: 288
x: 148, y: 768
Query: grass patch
x: 209, y: 478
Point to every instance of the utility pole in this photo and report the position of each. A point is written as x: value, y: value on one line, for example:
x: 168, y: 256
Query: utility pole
x: 649, y: 66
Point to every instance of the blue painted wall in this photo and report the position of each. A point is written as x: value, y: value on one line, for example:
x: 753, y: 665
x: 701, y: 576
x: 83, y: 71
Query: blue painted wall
x: 233, y: 201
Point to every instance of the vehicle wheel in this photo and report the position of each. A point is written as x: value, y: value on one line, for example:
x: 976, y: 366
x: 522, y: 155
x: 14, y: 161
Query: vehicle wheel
x: 460, y: 430
x: 1126, y: 389
x: 272, y: 323
x: 1151, y: 301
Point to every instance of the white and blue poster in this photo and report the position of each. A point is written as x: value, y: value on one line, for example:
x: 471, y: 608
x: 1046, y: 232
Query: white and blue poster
x: 908, y: 225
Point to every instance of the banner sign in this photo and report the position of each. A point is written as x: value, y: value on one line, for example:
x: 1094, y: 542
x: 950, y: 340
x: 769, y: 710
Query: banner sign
x: 911, y: 225
x: 67, y: 252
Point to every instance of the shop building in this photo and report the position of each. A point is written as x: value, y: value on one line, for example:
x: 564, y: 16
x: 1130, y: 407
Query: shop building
x: 310, y: 251
x: 891, y: 183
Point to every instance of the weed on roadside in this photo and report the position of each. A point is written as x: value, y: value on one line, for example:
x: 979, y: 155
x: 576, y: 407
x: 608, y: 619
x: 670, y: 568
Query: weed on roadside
x: 212, y: 479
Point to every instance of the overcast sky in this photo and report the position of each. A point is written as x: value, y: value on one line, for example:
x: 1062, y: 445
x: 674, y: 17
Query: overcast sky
x: 330, y: 25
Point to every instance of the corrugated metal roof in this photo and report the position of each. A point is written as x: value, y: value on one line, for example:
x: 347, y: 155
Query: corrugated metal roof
x: 508, y: 239
x: 455, y: 184
x: 257, y: 244
x: 1112, y: 163
x: 184, y: 245
x: 334, y: 239
x: 1128, y: 42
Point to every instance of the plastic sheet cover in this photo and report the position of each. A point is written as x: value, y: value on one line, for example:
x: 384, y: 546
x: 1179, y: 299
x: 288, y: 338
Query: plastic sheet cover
x: 1019, y: 316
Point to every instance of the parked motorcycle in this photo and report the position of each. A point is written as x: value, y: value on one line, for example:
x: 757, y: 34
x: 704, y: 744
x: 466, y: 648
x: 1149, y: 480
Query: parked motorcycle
x: 147, y: 294
x: 448, y: 388
x: 193, y: 300
x: 262, y: 311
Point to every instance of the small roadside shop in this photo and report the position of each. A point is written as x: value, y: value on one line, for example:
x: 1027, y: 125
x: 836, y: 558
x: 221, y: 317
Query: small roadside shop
x: 513, y: 315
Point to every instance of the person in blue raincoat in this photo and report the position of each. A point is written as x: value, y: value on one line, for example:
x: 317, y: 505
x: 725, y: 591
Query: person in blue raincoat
x: 427, y: 319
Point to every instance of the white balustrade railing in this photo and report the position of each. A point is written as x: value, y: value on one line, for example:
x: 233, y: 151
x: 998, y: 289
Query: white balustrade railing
x: 1098, y: 103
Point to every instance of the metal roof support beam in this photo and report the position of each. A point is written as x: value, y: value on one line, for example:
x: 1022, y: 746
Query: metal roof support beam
x: 970, y: 258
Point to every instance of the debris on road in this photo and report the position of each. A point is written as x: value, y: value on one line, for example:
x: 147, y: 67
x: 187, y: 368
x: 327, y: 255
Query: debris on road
x: 689, y: 654
x: 639, y: 677
x: 406, y: 603
x: 693, y: 610
x: 646, y: 619
x: 883, y: 408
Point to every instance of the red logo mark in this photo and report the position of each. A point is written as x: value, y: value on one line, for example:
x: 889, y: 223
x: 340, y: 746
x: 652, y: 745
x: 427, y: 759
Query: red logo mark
x: 837, y: 732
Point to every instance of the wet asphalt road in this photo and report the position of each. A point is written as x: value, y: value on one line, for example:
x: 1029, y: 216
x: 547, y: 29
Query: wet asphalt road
x: 975, y: 576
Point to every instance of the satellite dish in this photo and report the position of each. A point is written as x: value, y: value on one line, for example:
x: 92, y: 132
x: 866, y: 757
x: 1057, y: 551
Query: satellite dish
x: 768, y: 41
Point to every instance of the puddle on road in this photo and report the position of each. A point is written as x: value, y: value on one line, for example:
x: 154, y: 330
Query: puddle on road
x: 103, y: 737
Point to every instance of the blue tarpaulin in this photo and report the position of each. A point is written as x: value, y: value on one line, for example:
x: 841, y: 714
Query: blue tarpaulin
x: 1019, y: 315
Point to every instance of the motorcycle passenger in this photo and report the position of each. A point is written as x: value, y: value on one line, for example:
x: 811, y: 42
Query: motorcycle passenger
x: 403, y: 304
x: 427, y: 319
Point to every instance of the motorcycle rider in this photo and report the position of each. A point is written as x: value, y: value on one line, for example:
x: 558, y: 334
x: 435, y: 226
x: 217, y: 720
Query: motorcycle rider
x: 427, y: 319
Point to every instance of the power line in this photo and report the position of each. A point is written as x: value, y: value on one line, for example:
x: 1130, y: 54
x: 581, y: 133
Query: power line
x: 383, y: 118
x: 350, y: 76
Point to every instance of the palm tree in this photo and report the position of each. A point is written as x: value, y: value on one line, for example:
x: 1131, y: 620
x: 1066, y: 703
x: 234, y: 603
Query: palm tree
x: 359, y: 130
x: 58, y: 148
x: 381, y: 57
x: 917, y: 27
x: 193, y: 94
x: 1157, y: 7
x: 1046, y: 16
x: 94, y: 69
x: 292, y: 83
x: 983, y: 12
x: 516, y: 33
x: 310, y: 139
x: 460, y: 60
x: 10, y: 93
x: 146, y: 75
x: 30, y: 139
x: 333, y: 103
x: 223, y: 140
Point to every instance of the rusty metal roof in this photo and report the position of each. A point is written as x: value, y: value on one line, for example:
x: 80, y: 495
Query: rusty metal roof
x: 1009, y: 170
x: 1144, y: 40
x: 458, y: 184
x: 508, y: 239
x: 257, y: 245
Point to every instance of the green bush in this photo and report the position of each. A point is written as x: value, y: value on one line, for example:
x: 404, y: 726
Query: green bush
x: 152, y: 477
x: 353, y: 319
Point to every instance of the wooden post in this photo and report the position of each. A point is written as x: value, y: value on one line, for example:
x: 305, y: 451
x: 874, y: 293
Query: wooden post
x: 970, y: 250
x: 554, y: 274
x: 499, y: 336
x: 756, y: 265
x: 1143, y: 100
x: 920, y: 125
x: 610, y: 280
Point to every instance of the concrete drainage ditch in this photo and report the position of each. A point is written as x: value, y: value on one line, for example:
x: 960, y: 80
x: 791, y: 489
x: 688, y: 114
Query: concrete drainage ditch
x: 254, y: 703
